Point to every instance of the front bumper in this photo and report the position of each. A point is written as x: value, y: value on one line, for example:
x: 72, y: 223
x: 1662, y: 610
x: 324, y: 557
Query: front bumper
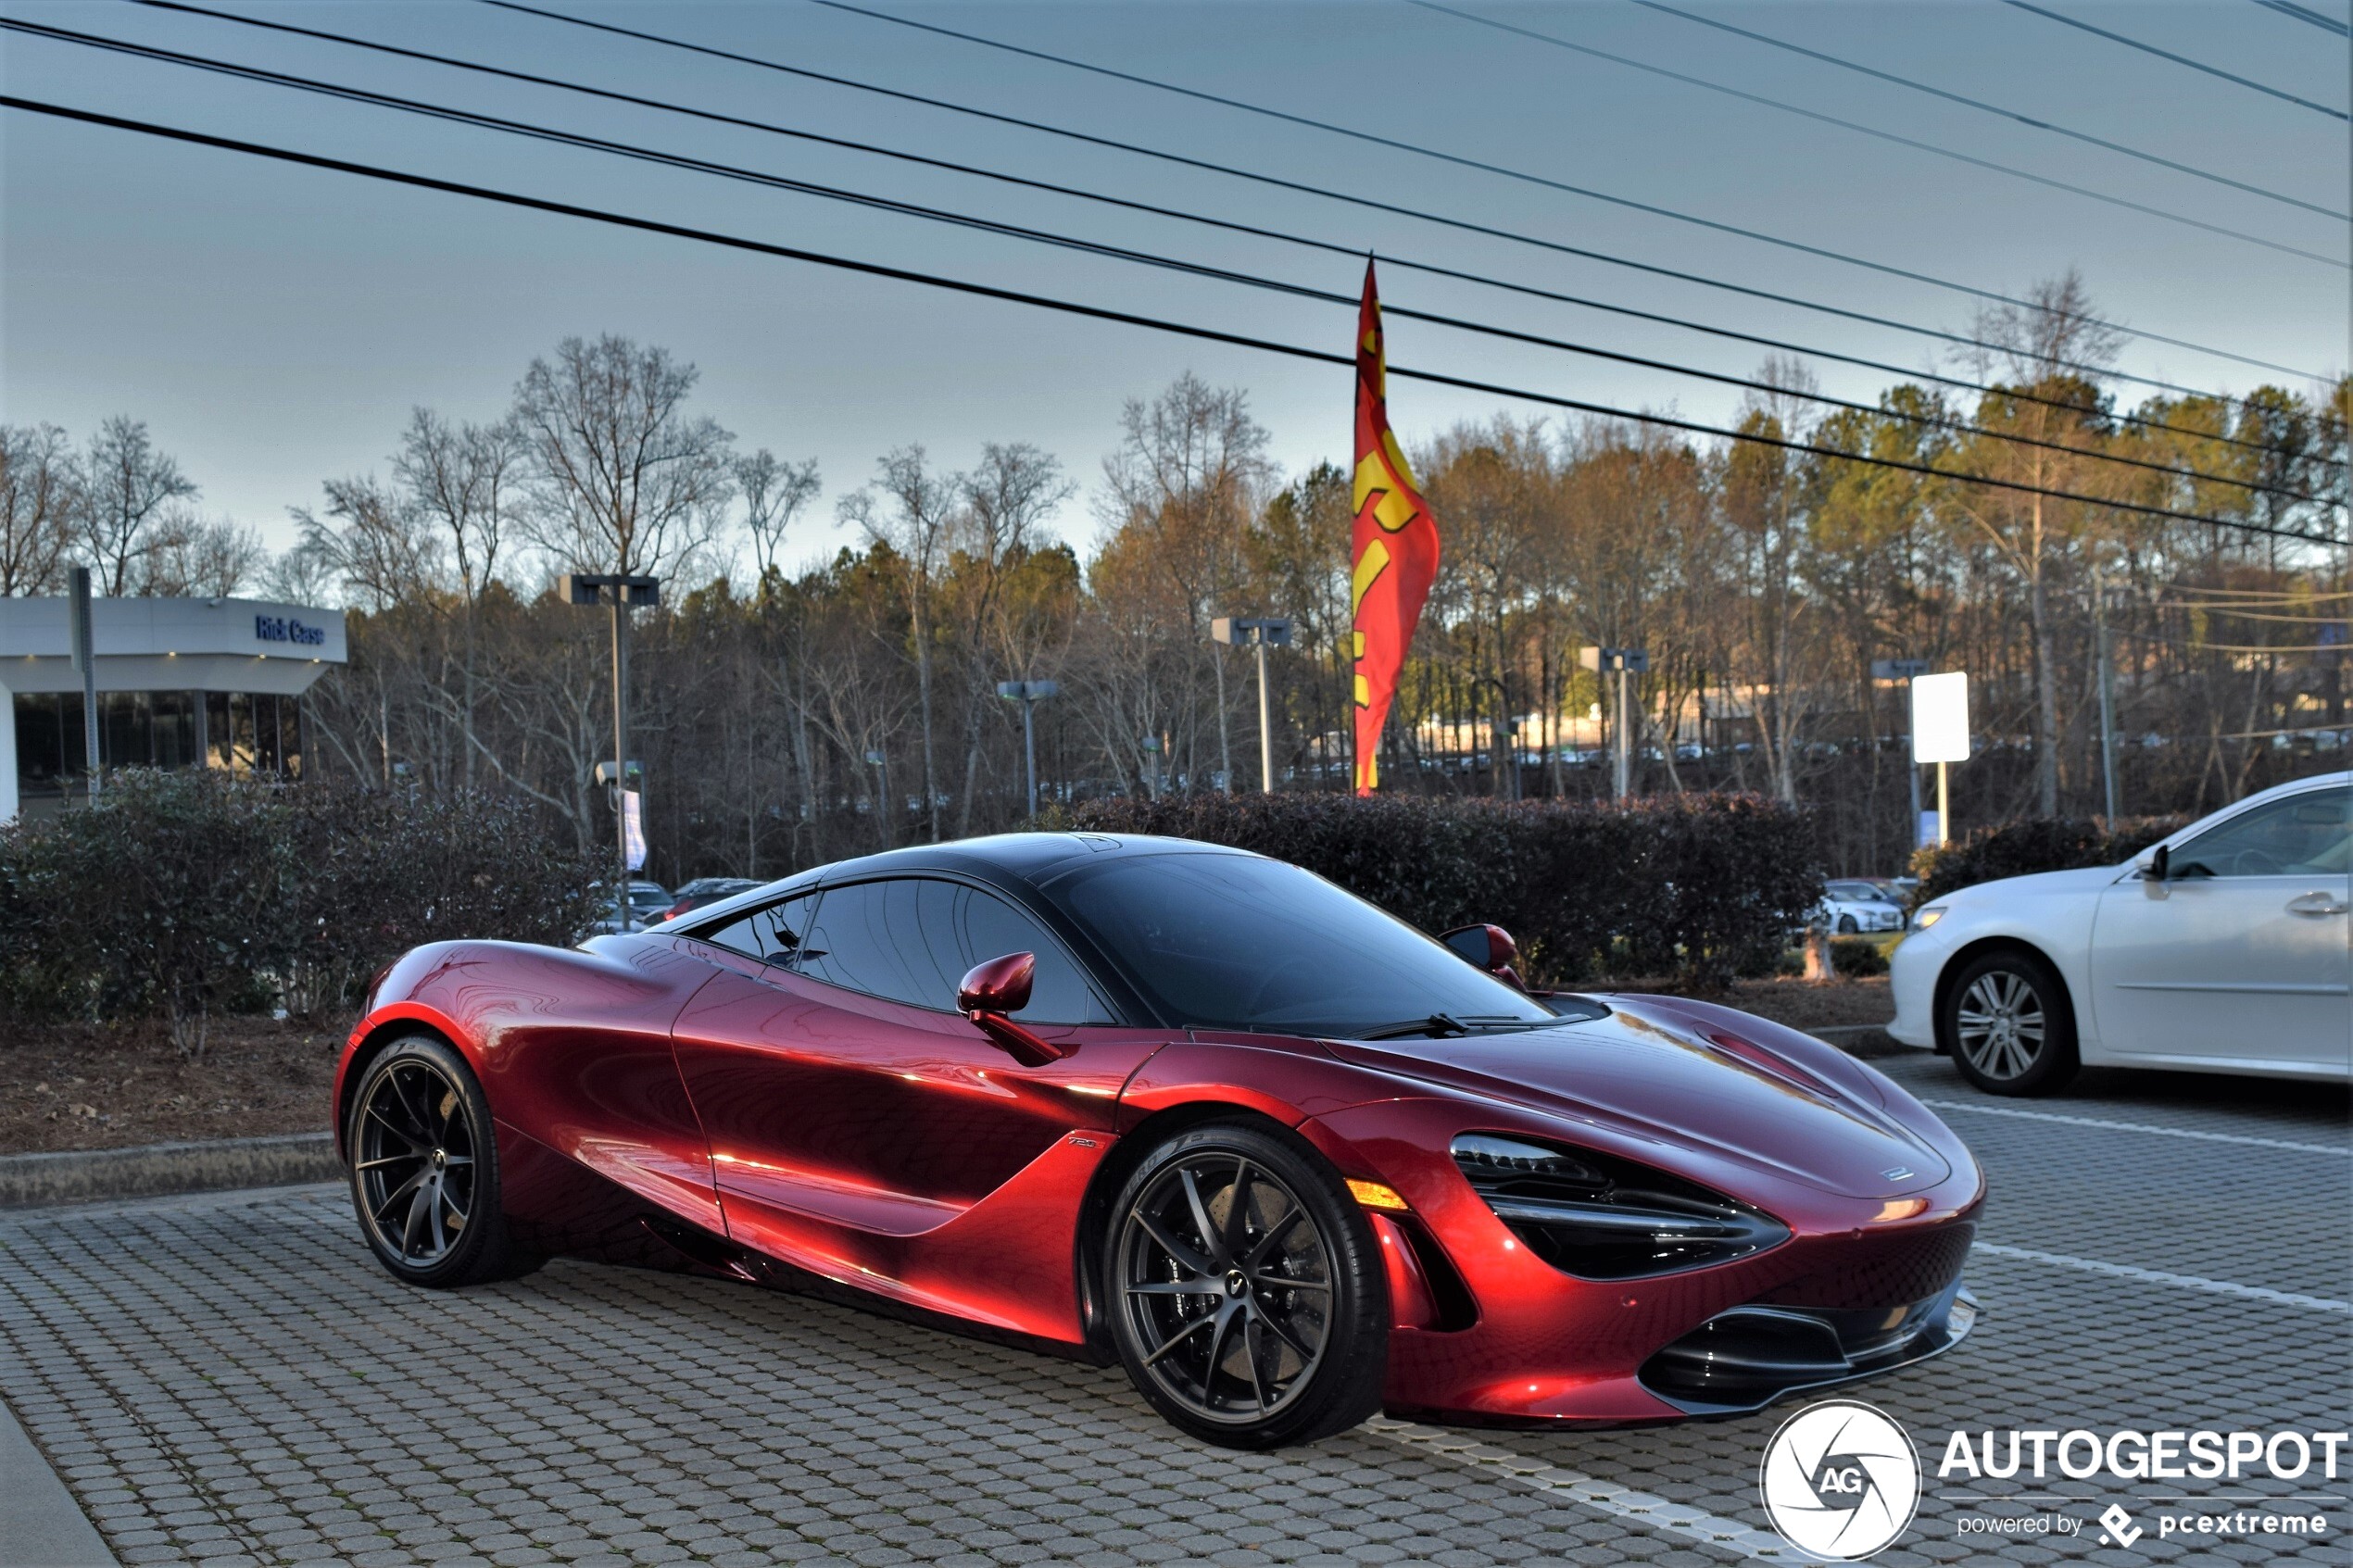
x: 1527, y: 1344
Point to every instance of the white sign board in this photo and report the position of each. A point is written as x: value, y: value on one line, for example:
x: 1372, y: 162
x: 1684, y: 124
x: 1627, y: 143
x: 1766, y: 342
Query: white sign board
x: 1940, y: 718
x: 633, y: 818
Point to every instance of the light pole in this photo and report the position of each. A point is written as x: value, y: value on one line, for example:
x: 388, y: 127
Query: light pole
x: 1259, y: 631
x: 1907, y: 670
x: 625, y: 594
x: 1030, y: 693
x: 1626, y: 662
x: 2108, y: 694
x: 85, y: 660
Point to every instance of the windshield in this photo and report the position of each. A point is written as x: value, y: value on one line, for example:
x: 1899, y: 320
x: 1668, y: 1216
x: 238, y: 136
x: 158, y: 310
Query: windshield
x: 1235, y: 942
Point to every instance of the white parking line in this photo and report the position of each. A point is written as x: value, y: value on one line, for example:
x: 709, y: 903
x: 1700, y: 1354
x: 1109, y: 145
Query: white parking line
x: 2138, y: 1128
x: 2160, y: 1276
x: 1645, y: 1508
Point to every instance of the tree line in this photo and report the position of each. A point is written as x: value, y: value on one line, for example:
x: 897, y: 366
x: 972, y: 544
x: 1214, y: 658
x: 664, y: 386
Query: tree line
x: 787, y: 714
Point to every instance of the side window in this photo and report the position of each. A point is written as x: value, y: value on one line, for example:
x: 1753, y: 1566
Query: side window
x: 772, y: 933
x: 862, y: 938
x: 963, y: 926
x: 914, y: 939
x: 2305, y: 835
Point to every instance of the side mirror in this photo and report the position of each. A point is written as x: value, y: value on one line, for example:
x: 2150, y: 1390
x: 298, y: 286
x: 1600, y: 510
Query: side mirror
x: 2158, y: 866
x: 991, y: 990
x: 1490, y: 947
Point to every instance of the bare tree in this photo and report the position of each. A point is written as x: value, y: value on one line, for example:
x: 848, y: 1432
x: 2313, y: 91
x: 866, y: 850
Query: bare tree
x: 39, y: 493
x: 203, y: 558
x: 773, y: 494
x: 126, y: 484
x: 624, y: 479
x: 1012, y: 492
x: 1191, y: 473
x: 466, y: 480
x: 910, y: 508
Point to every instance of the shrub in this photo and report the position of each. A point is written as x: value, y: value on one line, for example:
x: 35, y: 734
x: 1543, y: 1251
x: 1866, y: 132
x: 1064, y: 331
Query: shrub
x: 1858, y: 958
x: 187, y: 894
x: 1703, y: 886
x: 2040, y: 843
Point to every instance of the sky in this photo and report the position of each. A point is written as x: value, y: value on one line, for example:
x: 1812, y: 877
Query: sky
x: 275, y: 325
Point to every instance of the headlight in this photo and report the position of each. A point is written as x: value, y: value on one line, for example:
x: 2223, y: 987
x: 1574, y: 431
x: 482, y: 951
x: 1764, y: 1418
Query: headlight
x: 1928, y: 917
x: 1600, y: 1217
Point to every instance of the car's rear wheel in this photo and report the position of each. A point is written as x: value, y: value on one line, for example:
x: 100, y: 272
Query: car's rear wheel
x: 1847, y: 926
x: 424, y: 1169
x: 2006, y: 1022
x: 1247, y: 1295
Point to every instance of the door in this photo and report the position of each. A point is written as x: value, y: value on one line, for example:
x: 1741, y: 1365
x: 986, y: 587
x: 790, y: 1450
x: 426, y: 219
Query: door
x: 838, y: 1084
x: 2242, y: 954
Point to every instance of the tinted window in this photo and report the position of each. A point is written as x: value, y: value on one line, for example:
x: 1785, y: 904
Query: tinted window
x: 2304, y: 835
x: 1237, y: 942
x: 914, y: 939
x: 772, y: 933
x: 963, y: 926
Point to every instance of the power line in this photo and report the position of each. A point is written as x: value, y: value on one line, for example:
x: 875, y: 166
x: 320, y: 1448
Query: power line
x: 2177, y: 59
x: 1232, y: 226
x: 1101, y: 313
x: 1994, y: 109
x: 996, y: 226
x: 2327, y: 24
x: 1873, y: 131
x: 1278, y: 182
x: 1459, y: 160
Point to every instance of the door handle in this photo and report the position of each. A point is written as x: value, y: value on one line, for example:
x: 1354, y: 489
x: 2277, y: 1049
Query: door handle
x: 2316, y: 904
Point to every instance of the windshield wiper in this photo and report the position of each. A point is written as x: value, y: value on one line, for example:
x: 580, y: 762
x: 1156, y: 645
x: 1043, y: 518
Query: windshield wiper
x: 1436, y: 1025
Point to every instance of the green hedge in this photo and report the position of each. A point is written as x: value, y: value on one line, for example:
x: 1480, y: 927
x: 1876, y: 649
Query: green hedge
x: 187, y: 894
x: 2040, y: 843
x: 1706, y: 888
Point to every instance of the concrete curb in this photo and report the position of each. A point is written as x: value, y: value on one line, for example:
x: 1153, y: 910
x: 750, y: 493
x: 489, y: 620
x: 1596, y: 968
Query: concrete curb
x: 161, y: 1169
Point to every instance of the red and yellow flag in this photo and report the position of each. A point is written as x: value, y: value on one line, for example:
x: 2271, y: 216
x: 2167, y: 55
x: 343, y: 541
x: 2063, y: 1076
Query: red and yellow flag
x: 1394, y: 548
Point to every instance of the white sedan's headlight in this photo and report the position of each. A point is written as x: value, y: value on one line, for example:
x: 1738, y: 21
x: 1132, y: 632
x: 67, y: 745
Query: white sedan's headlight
x: 1928, y: 917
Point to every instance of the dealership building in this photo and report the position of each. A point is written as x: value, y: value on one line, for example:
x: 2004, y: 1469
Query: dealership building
x: 182, y: 683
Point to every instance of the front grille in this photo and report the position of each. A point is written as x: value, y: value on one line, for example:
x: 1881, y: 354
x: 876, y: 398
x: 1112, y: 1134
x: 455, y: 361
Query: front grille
x: 1750, y: 1356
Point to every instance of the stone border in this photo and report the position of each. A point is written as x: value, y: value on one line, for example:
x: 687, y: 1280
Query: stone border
x: 157, y: 1170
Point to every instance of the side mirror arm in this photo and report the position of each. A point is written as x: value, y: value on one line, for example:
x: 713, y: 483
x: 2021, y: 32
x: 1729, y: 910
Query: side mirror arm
x: 1014, y: 1040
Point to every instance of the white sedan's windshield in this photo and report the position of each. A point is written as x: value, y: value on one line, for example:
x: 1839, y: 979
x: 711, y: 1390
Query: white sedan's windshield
x: 1235, y: 941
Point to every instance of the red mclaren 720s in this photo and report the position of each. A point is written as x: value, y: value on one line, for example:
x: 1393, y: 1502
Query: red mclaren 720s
x: 1286, y: 1158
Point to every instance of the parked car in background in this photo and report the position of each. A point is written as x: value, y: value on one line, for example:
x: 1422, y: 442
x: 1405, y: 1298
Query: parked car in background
x: 1851, y: 906
x: 2223, y: 950
x: 705, y: 890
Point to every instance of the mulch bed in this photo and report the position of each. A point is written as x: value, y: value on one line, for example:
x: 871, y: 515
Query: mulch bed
x: 93, y: 1086
x: 107, y: 1086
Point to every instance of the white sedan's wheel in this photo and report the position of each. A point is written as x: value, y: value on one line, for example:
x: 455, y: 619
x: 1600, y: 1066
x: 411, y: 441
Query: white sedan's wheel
x: 2005, y: 1022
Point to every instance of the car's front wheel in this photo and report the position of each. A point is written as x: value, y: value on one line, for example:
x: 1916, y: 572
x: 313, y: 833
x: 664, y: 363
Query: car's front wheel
x: 2007, y: 1025
x: 424, y: 1169
x: 1247, y: 1294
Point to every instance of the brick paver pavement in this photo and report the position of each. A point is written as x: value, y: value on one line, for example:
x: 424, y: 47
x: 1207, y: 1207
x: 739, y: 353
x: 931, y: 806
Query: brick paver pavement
x: 231, y: 1379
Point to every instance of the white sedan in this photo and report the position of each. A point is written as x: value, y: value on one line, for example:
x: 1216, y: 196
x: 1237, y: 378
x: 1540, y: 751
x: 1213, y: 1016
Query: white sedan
x: 2227, y: 948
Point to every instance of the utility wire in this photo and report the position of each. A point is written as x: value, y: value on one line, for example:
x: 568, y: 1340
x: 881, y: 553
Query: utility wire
x: 2327, y: 24
x: 1994, y: 109
x: 1459, y: 160
x: 1101, y: 313
x: 1902, y: 141
x: 2177, y: 59
x: 1231, y: 226
x: 1101, y: 248
x: 1278, y: 182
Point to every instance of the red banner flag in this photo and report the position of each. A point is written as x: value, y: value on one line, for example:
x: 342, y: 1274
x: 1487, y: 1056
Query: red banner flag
x: 1393, y: 547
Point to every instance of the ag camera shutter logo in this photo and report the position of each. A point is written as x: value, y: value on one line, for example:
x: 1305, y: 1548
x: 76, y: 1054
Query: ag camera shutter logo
x: 1840, y: 1480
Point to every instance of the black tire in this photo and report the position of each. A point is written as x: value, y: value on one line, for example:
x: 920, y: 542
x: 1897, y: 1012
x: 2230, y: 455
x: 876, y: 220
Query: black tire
x: 2006, y: 1024
x: 424, y: 1169
x: 1283, y: 1335
x: 1847, y: 926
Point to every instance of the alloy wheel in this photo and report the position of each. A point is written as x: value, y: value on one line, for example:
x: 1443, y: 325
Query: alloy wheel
x: 415, y: 1161
x: 2000, y: 1024
x: 1227, y: 1282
